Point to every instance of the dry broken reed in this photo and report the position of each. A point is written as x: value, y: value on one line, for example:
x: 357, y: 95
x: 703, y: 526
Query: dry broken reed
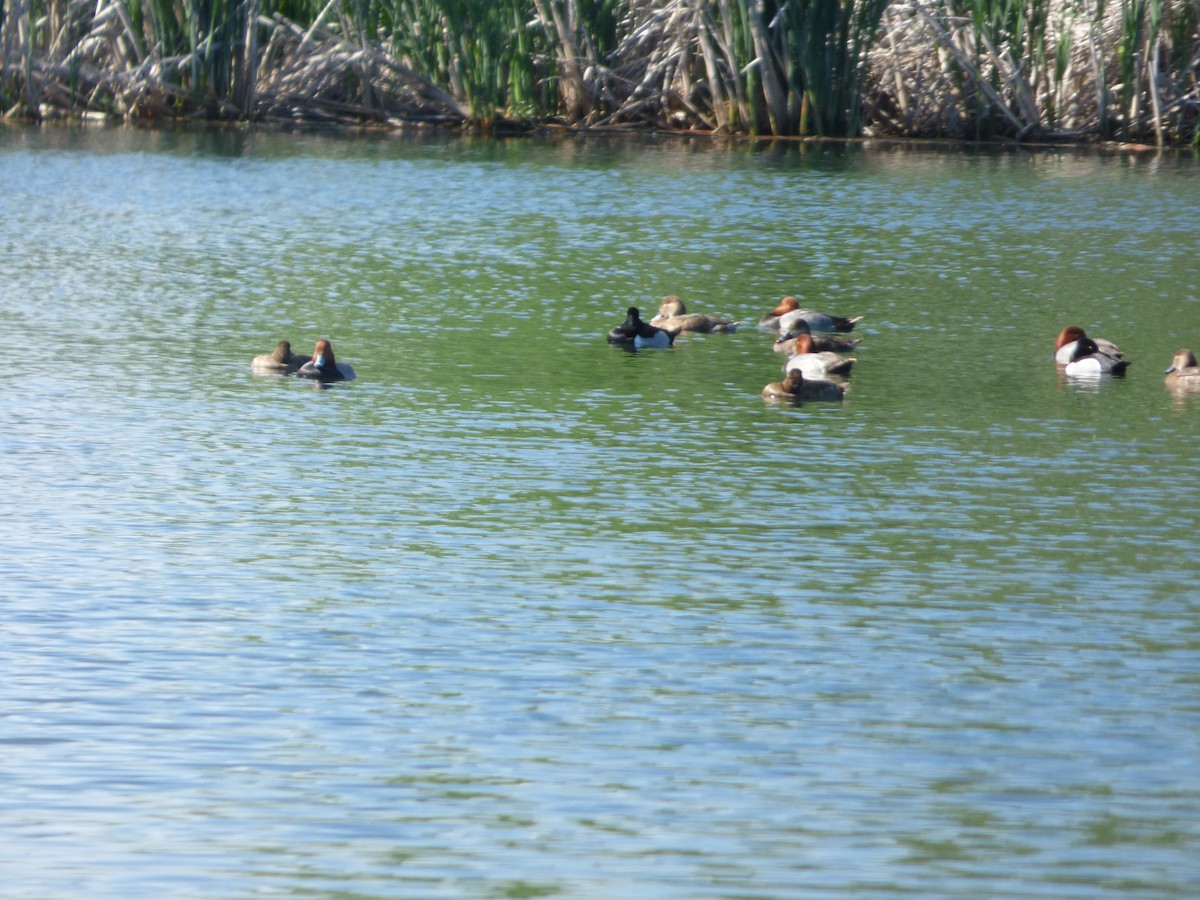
x: 1014, y: 69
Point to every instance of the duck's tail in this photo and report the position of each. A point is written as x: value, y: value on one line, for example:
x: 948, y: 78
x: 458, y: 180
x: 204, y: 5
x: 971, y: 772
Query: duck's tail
x: 847, y: 323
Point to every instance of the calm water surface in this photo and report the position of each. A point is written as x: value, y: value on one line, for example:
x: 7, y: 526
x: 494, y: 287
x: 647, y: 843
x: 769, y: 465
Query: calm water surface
x: 519, y: 614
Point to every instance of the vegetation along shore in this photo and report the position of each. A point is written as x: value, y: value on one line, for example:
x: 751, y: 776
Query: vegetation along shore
x: 1026, y: 70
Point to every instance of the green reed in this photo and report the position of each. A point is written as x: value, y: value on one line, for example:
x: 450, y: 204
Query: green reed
x: 828, y: 43
x: 206, y: 42
x: 792, y: 67
x: 521, y: 59
x: 730, y: 50
x: 1133, y: 22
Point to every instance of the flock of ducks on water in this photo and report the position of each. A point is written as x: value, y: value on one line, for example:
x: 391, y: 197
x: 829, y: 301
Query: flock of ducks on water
x: 815, y: 342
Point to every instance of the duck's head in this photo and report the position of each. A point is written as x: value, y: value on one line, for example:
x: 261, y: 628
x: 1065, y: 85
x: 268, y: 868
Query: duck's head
x: 1084, y: 346
x: 804, y: 343
x: 786, y: 305
x: 1184, y: 359
x: 671, y: 306
x: 282, y: 352
x: 323, y: 355
x: 1069, y: 334
x: 793, y: 381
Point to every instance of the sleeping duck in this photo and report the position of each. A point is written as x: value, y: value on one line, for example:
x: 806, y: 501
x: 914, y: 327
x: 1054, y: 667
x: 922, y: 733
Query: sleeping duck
x: 816, y: 365
x: 1088, y: 359
x: 279, y: 361
x: 673, y: 316
x: 789, y: 311
x: 796, y: 387
x: 821, y: 343
x: 1068, y: 340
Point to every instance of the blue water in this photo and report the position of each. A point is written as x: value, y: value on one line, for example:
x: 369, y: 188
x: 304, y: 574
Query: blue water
x: 517, y: 613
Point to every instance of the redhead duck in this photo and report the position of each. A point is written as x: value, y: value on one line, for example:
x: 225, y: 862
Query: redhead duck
x: 1065, y: 346
x: 813, y: 364
x: 638, y: 334
x: 280, y: 361
x: 673, y: 316
x: 796, y: 387
x: 821, y: 343
x: 789, y: 311
x: 1183, y: 374
x: 1089, y: 360
x: 324, y: 367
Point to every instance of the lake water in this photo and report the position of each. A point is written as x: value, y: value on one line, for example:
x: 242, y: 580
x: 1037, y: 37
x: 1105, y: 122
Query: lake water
x: 519, y: 614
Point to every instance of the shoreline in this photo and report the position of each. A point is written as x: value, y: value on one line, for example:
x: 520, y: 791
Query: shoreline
x: 557, y: 131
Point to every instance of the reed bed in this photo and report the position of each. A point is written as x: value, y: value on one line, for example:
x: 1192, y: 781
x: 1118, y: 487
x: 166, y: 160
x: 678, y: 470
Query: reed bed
x: 1042, y: 70
x: 1038, y: 70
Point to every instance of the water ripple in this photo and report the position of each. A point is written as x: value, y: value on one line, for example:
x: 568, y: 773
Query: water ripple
x: 517, y: 613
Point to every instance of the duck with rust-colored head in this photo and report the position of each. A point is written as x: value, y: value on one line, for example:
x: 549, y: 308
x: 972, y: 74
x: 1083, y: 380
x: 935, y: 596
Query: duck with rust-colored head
x: 633, y: 332
x: 673, y: 316
x: 1068, y: 340
x: 796, y: 387
x: 789, y: 311
x: 324, y: 367
x: 814, y: 364
x: 1183, y: 374
x: 280, y: 361
x: 821, y: 343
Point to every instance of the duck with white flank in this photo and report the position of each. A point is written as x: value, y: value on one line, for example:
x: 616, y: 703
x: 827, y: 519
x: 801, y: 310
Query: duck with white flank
x: 633, y: 332
x: 821, y: 343
x: 789, y: 311
x: 1089, y: 357
x: 815, y: 364
x: 1068, y: 340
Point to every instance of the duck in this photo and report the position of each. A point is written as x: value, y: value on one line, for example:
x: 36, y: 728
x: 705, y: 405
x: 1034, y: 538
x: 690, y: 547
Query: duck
x: 673, y: 316
x: 1064, y: 346
x: 638, y: 334
x: 815, y: 364
x: 821, y: 343
x: 324, y: 367
x: 795, y: 386
x: 1089, y: 360
x: 789, y: 311
x: 1183, y: 374
x: 280, y: 361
